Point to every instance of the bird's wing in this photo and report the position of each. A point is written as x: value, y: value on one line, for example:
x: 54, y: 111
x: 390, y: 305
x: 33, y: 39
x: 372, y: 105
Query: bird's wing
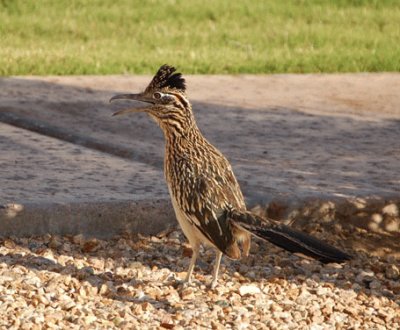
x: 208, y: 201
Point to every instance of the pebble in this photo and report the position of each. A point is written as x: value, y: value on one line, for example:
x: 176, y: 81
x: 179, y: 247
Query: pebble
x: 392, y: 272
x: 249, y: 290
x: 188, y: 294
x: 365, y: 276
x: 391, y: 210
x: 375, y: 285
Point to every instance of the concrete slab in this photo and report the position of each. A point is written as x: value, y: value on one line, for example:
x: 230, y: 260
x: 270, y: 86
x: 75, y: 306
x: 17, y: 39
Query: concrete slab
x: 36, y: 168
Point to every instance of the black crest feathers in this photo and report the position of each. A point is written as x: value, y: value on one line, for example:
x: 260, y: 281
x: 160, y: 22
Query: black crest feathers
x: 166, y: 78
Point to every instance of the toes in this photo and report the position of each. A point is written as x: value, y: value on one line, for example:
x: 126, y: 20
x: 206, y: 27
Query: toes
x: 214, y: 283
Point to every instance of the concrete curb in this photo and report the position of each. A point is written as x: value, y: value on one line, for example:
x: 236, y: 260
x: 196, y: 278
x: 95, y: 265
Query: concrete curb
x: 149, y: 217
x: 97, y: 219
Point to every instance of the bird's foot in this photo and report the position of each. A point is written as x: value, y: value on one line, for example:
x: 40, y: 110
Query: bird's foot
x: 183, y: 284
x: 213, y: 283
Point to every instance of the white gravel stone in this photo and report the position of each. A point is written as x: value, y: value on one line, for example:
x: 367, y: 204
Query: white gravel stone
x: 391, y: 209
x: 249, y: 290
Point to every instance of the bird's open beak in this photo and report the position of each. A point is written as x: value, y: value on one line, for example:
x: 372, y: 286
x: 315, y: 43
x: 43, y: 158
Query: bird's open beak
x: 135, y: 97
x: 124, y: 111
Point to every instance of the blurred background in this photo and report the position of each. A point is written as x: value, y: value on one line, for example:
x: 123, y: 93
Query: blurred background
x: 63, y: 37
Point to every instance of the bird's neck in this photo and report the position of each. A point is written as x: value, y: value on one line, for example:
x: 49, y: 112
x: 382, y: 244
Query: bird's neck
x: 189, y: 136
x: 181, y: 128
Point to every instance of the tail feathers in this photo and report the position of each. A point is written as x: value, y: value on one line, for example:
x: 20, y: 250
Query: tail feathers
x: 295, y: 241
x: 289, y: 239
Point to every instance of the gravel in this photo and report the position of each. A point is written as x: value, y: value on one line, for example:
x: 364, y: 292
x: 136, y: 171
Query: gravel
x: 129, y: 282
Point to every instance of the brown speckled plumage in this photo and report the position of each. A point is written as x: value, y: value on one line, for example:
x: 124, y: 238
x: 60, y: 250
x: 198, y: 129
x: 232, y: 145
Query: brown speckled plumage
x: 206, y: 196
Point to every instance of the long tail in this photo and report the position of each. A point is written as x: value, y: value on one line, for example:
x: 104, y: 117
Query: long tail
x: 288, y: 238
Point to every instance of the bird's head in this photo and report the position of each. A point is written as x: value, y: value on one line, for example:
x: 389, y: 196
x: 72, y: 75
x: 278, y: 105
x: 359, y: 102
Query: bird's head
x: 166, y: 97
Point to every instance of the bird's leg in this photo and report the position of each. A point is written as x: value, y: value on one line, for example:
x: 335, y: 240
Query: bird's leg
x: 216, y: 269
x: 195, y: 248
x: 246, y: 245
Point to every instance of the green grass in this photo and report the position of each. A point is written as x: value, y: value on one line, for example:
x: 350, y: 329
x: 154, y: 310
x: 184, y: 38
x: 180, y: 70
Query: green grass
x: 41, y: 37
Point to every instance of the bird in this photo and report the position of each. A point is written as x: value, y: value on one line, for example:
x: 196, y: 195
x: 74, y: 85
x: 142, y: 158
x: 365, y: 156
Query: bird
x: 205, y: 194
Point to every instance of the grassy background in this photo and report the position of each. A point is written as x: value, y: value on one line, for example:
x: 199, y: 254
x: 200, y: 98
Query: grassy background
x: 199, y: 36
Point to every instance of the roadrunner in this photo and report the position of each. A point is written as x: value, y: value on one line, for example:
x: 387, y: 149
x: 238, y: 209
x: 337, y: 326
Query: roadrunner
x: 206, y: 197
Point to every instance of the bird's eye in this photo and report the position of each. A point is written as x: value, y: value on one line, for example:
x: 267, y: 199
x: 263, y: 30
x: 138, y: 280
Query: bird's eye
x: 157, y: 95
